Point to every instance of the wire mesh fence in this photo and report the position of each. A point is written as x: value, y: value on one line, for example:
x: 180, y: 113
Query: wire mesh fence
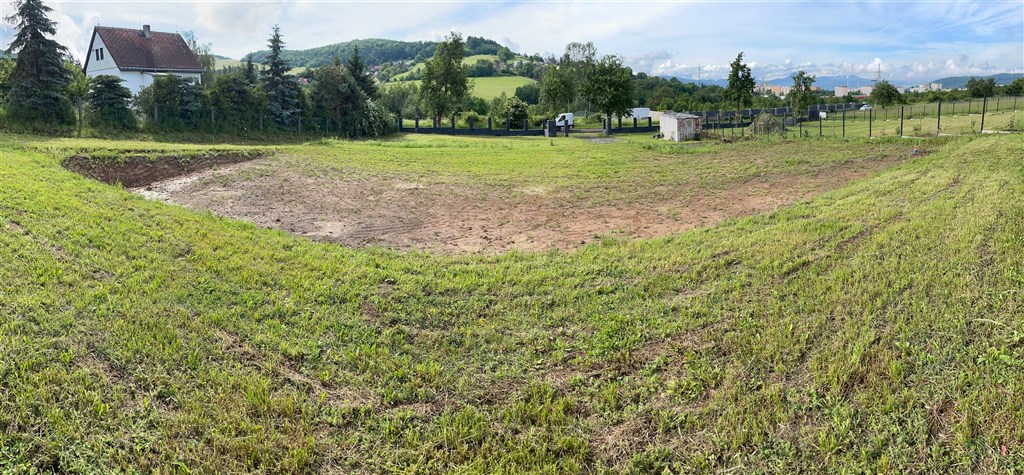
x: 985, y: 115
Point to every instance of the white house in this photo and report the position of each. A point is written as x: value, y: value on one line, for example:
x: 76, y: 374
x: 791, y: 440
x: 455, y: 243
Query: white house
x: 137, y: 56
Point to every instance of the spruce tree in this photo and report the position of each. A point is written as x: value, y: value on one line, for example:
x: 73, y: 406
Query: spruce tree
x: 250, y: 71
x: 282, y: 97
x: 39, y: 74
x: 110, y: 103
x: 357, y: 69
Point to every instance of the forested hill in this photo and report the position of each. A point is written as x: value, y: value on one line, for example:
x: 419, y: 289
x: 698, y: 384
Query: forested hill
x: 376, y: 51
x: 960, y: 82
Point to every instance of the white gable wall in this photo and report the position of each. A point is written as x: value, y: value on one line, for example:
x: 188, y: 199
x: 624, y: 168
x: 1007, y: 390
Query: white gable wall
x: 133, y: 80
x: 98, y: 67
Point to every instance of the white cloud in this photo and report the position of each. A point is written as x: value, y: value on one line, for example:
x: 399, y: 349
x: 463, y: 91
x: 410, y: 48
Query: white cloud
x: 917, y: 40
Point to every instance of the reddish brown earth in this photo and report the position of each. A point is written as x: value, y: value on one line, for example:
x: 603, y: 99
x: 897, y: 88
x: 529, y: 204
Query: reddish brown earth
x: 140, y: 170
x: 418, y: 213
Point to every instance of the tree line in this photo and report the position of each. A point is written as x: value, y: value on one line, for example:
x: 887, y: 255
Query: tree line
x: 43, y: 88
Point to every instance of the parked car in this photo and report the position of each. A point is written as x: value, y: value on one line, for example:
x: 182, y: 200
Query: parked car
x: 865, y: 107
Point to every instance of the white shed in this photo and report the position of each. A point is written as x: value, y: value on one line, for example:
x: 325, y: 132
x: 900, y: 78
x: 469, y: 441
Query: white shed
x: 676, y: 126
x: 137, y: 56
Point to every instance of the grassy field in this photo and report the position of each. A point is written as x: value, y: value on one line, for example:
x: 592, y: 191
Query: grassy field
x: 468, y: 61
x: 876, y: 328
x: 488, y: 88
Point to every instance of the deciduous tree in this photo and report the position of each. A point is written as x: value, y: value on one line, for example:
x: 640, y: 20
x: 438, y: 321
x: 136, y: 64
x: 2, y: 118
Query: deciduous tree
x: 801, y: 95
x: 884, y: 94
x: 740, y: 89
x: 978, y: 87
x: 445, y: 85
x: 609, y: 87
x: 557, y: 89
x: 510, y: 108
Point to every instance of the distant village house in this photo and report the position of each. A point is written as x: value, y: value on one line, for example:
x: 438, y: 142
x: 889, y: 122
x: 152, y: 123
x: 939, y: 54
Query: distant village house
x: 137, y: 56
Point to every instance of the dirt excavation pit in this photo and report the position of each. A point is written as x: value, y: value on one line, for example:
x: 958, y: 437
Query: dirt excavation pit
x: 436, y: 214
x: 138, y: 170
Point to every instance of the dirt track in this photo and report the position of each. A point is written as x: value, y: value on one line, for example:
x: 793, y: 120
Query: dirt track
x: 440, y: 216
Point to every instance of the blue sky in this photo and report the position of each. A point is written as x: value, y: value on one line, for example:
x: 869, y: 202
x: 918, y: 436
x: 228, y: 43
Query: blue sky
x: 911, y: 41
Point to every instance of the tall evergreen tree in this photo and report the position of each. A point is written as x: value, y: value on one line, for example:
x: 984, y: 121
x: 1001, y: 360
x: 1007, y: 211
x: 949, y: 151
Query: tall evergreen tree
x: 250, y: 71
x: 282, y: 92
x: 39, y: 74
x: 357, y: 70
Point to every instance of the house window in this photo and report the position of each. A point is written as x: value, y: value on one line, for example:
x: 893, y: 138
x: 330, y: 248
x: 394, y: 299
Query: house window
x: 99, y: 54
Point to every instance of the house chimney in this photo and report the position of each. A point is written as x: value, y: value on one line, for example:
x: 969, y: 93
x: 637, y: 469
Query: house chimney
x: 145, y: 31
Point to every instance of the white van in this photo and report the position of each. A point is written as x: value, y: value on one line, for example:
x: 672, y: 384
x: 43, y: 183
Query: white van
x: 565, y: 120
x: 640, y: 113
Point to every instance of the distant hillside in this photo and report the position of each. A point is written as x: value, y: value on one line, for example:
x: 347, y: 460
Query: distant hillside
x: 706, y: 82
x: 375, y: 51
x: 958, y: 82
x: 824, y: 82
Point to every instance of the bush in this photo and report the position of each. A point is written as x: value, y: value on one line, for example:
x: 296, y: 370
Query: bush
x: 172, y: 103
x: 373, y: 122
x: 110, y: 104
x: 511, y: 108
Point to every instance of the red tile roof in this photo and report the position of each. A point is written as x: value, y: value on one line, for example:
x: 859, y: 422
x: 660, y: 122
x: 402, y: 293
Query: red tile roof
x: 159, y: 52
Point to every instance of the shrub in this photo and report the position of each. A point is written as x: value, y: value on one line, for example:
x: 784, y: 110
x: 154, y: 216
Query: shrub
x: 110, y: 103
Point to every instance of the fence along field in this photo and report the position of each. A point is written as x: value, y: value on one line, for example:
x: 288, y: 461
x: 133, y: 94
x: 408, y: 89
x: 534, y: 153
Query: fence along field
x: 875, y: 327
x: 995, y: 114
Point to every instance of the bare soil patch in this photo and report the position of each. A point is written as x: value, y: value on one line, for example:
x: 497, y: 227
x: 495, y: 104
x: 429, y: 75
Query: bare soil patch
x: 424, y: 213
x: 139, y: 171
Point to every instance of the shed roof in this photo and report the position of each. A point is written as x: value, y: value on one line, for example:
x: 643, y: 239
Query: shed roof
x: 131, y: 50
x: 679, y: 115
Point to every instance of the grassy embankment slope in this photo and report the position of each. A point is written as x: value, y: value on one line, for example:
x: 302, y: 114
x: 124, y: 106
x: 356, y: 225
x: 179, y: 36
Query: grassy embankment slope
x: 487, y: 88
x: 876, y: 328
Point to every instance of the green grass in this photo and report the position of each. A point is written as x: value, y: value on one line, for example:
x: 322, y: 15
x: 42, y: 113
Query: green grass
x: 488, y: 88
x: 876, y: 328
x: 468, y: 61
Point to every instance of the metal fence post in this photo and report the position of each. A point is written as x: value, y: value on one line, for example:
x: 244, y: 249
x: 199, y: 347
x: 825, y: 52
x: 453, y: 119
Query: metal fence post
x: 820, y: 134
x: 984, y: 106
x: 901, y: 121
x: 938, y: 124
x: 870, y: 116
x: 844, y: 124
